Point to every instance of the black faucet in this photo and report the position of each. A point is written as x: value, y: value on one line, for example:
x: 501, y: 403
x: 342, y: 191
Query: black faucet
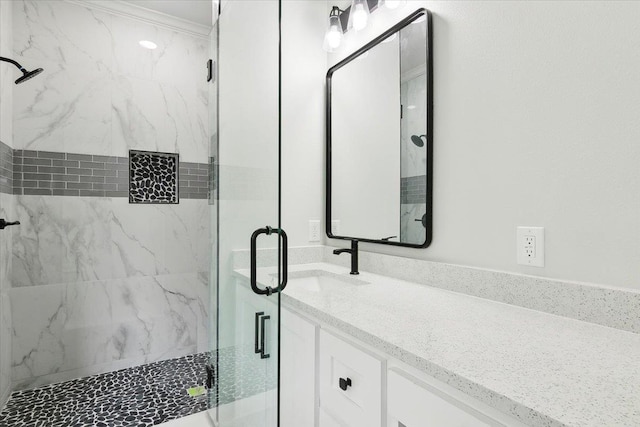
x: 354, y: 255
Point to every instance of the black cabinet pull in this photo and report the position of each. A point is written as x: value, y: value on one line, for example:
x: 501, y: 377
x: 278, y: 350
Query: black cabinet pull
x: 4, y: 223
x: 345, y: 383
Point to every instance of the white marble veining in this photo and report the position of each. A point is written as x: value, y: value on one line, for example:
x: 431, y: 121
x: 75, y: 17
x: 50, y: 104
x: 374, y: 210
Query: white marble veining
x: 6, y: 241
x: 63, y: 330
x: 7, y: 73
x: 105, y: 94
x: 147, y: 115
x: 99, y: 283
x: 412, y: 231
x: 109, y: 281
x: 542, y: 369
x: 70, y: 239
x: 413, y: 160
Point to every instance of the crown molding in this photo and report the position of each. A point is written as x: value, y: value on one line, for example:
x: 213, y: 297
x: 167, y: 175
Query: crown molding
x: 129, y: 10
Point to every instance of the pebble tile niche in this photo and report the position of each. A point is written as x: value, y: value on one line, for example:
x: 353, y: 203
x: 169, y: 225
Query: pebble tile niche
x: 153, y: 177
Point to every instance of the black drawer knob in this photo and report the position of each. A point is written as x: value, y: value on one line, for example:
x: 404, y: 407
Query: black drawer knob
x: 344, y: 383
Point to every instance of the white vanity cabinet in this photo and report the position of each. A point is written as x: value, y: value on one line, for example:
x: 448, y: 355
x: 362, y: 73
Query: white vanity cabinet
x: 413, y: 403
x: 298, y: 397
x: 350, y: 381
x: 354, y: 385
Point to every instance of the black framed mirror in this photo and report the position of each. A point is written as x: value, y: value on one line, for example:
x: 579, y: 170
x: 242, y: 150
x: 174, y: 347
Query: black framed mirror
x: 379, y: 118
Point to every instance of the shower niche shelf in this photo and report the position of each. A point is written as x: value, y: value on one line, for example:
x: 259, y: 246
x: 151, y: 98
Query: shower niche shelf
x: 153, y: 177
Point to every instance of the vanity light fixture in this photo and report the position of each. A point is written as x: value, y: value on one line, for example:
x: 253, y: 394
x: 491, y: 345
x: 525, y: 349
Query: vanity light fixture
x: 355, y: 17
x: 147, y: 44
x: 333, y: 37
x: 359, y: 14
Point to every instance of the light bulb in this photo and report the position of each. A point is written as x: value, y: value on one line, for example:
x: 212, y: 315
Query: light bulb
x: 359, y: 17
x: 333, y: 36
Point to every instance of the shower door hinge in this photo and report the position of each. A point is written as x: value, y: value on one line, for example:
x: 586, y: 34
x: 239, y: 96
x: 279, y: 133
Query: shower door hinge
x: 211, y: 376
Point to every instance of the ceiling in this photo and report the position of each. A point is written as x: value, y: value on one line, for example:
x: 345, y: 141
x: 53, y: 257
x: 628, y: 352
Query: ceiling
x: 198, y: 11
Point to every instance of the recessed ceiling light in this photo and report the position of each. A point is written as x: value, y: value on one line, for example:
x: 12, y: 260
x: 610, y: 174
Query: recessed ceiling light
x: 147, y: 44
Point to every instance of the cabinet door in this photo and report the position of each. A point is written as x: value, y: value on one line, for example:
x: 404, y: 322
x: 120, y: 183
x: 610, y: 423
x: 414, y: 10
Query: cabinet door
x: 414, y: 404
x: 350, y: 383
x: 298, y: 397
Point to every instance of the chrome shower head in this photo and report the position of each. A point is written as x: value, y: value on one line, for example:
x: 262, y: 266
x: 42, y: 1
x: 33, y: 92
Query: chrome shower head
x: 417, y: 140
x: 26, y: 75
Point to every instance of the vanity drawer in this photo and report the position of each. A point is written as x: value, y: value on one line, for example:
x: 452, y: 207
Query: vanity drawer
x: 350, y: 384
x: 412, y: 403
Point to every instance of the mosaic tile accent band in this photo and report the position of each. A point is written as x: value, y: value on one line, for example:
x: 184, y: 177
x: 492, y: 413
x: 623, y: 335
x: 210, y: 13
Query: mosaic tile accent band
x: 413, y: 189
x: 50, y: 173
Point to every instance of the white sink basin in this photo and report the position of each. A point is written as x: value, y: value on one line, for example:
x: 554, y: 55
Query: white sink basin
x: 321, y: 280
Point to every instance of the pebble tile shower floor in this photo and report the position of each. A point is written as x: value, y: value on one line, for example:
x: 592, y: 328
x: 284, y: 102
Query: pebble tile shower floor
x: 141, y: 396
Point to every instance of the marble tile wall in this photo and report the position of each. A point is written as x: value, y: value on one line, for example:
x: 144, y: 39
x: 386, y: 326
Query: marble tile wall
x: 412, y: 231
x: 101, y: 93
x: 7, y: 73
x: 6, y: 211
x: 413, y: 92
x: 99, y: 284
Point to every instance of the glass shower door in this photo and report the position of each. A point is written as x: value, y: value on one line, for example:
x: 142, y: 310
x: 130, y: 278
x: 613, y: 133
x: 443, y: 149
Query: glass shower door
x: 248, y: 244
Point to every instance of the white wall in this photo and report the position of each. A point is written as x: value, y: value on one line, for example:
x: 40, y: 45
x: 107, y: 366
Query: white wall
x: 536, y: 123
x: 304, y: 66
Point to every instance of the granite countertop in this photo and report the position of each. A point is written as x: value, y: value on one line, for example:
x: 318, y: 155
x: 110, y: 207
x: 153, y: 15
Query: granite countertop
x: 542, y: 369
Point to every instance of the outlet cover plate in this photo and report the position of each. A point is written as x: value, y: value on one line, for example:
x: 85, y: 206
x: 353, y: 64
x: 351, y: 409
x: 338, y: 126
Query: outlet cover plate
x: 314, y: 230
x: 530, y: 246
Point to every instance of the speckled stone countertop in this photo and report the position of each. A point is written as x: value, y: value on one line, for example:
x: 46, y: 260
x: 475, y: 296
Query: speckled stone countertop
x: 542, y: 369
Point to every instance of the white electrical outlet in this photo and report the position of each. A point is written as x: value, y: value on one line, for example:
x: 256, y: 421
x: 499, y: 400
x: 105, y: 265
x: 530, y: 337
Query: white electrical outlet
x: 314, y: 230
x: 335, y: 227
x: 530, y: 246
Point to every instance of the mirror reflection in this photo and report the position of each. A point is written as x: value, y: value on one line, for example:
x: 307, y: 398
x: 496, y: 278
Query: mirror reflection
x: 379, y: 139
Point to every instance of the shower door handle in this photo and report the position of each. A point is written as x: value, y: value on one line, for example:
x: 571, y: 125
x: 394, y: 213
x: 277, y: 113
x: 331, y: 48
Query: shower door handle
x: 254, y: 268
x: 260, y: 334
